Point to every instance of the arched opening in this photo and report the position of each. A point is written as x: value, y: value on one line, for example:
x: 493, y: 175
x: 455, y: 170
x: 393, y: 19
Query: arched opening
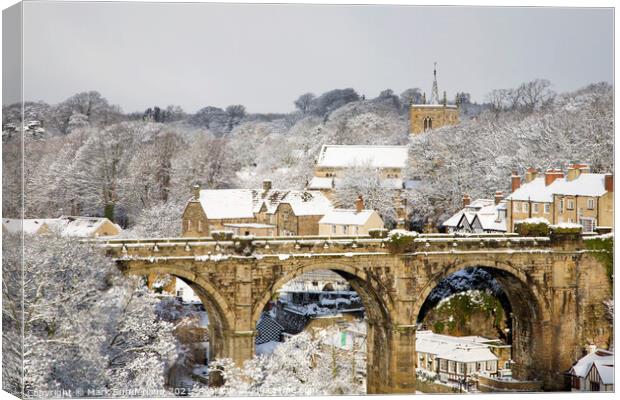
x: 344, y: 292
x: 202, y: 320
x: 428, y: 123
x: 523, y: 316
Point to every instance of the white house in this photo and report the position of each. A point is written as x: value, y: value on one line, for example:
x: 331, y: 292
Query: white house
x: 350, y: 222
x: 481, y: 215
x: 66, y: 226
x: 593, y: 372
x: 452, y: 357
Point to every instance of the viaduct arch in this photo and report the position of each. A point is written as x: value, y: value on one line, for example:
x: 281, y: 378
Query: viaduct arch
x: 555, y: 287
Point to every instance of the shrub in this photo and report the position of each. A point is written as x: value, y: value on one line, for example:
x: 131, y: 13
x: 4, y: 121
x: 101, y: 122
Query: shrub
x: 378, y: 233
x: 532, y: 227
x: 603, y: 247
x: 400, y: 240
x: 566, y: 228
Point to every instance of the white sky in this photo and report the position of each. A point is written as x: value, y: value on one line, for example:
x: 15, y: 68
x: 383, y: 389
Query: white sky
x: 264, y: 56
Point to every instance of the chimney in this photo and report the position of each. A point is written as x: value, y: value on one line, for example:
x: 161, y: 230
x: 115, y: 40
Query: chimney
x: 499, y: 195
x: 516, y: 181
x: 609, y: 182
x: 196, y: 192
x: 575, y: 170
x: 266, y: 185
x: 553, y: 174
x: 359, y: 204
x: 530, y: 174
x: 466, y: 200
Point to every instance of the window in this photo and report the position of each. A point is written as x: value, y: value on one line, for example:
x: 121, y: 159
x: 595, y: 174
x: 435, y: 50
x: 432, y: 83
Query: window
x: 535, y: 208
x: 357, y: 230
x: 590, y: 204
x: 461, y: 368
x: 451, y: 366
x: 199, y: 226
x: 570, y: 205
x: 189, y: 224
x: 490, y: 366
x: 428, y: 123
x: 345, y: 229
x: 524, y: 207
x: 547, y: 208
x: 575, y: 382
x: 333, y: 229
x: 561, y: 205
x: 595, y: 387
x: 443, y: 365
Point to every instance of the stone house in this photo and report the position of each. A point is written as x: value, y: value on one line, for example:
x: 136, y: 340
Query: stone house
x: 334, y: 161
x: 66, y: 226
x: 261, y: 212
x: 481, y: 215
x: 593, y: 372
x: 350, y: 222
x: 579, y: 197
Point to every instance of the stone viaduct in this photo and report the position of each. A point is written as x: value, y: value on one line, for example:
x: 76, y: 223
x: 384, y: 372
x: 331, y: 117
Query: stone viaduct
x: 556, y: 288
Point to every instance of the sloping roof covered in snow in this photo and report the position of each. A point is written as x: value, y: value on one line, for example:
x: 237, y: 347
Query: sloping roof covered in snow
x: 78, y: 226
x: 244, y: 203
x: 461, y: 349
x: 604, y: 360
x: 536, y: 190
x: 321, y: 182
x: 341, y: 216
x: 585, y: 184
x: 485, y: 211
x: 29, y: 226
x: 345, y: 156
x: 307, y: 202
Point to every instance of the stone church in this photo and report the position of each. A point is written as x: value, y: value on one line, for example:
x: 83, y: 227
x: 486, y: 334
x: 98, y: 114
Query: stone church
x: 432, y: 115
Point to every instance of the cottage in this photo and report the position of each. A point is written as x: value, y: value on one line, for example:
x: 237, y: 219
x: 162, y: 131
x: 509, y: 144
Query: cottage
x: 334, y: 161
x: 481, y: 215
x: 593, y: 372
x: 454, y: 358
x: 261, y: 212
x: 350, y: 222
x: 28, y: 226
x: 579, y: 197
x: 66, y: 226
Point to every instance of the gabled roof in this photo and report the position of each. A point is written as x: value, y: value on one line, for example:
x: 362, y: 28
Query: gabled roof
x: 340, y: 216
x: 586, y: 184
x: 320, y: 182
x: 29, y: 226
x: 600, y: 356
x: 461, y: 349
x: 79, y: 226
x: 244, y: 203
x: 482, y: 211
x: 346, y: 156
x: 307, y: 202
x: 536, y: 190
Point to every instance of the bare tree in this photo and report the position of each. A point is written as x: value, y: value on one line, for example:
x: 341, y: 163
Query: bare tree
x: 304, y: 102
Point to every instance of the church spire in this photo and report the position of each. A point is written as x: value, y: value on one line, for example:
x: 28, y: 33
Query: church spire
x: 435, y: 91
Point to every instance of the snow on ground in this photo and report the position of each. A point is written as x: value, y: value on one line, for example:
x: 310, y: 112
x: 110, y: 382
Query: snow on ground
x: 267, y: 348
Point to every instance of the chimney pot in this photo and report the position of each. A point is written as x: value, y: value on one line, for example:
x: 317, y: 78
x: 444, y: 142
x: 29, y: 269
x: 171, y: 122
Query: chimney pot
x: 196, y: 191
x: 530, y: 174
x: 499, y: 195
x: 359, y: 204
x: 552, y: 174
x: 266, y: 185
x: 609, y: 182
x: 466, y: 200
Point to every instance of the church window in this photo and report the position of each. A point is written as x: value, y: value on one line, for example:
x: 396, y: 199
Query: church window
x: 428, y: 123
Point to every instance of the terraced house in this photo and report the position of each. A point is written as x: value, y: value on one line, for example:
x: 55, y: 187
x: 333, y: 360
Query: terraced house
x: 580, y: 197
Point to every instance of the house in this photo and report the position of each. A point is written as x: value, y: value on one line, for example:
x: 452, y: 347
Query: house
x: 579, y: 197
x: 261, y: 212
x: 481, y: 215
x: 334, y: 161
x: 593, y: 372
x: 66, y: 226
x: 350, y: 222
x: 454, y: 358
x: 28, y: 226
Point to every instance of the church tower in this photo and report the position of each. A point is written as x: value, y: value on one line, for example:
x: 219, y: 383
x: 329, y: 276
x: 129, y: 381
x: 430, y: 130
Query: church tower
x: 424, y: 117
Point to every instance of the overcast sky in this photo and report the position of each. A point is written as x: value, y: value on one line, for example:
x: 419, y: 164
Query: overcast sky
x: 264, y: 56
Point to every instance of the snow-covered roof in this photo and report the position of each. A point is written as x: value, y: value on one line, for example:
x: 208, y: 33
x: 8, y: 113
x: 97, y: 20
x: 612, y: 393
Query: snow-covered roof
x: 244, y: 203
x: 461, y: 349
x: 605, y: 371
x: 78, y: 226
x: 586, y: 184
x: 433, y: 105
x: 535, y: 190
x: 341, y: 216
x: 601, y: 357
x: 307, y: 202
x: 483, y: 210
x: 29, y: 226
x: 320, y: 182
x: 343, y: 156
x: 250, y: 225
